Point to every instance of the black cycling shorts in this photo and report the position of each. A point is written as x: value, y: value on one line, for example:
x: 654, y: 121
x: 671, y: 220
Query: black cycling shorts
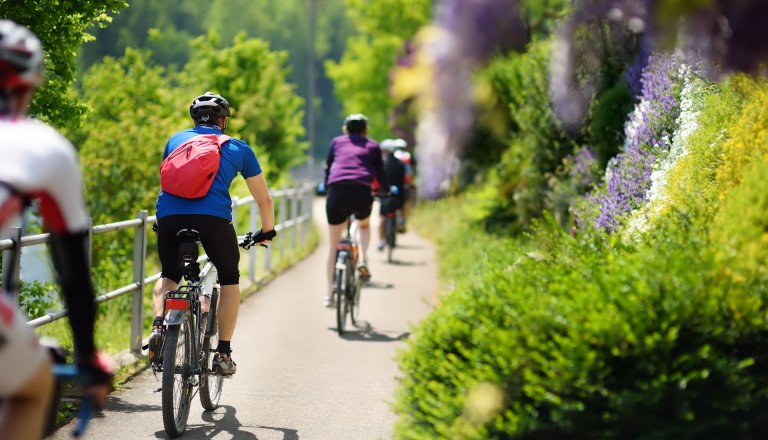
x: 344, y: 199
x: 219, y: 240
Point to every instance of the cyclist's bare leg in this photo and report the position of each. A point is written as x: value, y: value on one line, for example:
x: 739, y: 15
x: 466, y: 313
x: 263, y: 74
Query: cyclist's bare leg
x: 382, y: 221
x: 23, y: 415
x: 334, y: 235
x: 229, y: 305
x: 161, y: 286
x: 364, y: 229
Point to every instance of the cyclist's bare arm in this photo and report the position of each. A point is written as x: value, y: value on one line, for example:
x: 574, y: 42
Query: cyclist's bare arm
x: 260, y: 192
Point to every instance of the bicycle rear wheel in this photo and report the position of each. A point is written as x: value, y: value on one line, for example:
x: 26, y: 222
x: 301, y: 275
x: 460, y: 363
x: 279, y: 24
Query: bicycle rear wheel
x: 341, y: 301
x: 210, y: 383
x: 177, y: 375
x: 389, y: 234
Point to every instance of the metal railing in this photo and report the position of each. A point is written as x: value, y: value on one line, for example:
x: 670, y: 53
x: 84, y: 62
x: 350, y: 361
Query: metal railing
x: 294, y: 208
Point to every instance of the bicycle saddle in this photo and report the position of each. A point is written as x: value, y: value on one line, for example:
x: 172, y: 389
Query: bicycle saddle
x: 188, y: 249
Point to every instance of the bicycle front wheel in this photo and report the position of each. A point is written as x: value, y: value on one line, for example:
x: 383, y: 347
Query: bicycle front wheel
x: 177, y: 377
x: 210, y: 383
x: 341, y: 301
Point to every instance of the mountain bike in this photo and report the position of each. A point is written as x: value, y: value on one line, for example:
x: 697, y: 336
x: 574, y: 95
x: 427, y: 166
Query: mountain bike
x: 190, y: 338
x: 389, y: 207
x: 346, y: 282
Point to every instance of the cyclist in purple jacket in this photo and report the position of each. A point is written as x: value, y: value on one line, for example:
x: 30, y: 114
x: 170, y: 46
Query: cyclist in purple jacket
x: 352, y: 163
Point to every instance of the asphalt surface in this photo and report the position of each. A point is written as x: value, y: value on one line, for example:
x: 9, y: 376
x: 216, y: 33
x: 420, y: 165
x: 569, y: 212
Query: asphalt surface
x: 297, y: 378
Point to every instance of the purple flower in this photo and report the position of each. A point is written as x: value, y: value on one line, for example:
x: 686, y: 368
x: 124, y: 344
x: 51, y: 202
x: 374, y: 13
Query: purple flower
x: 648, y: 135
x: 470, y: 32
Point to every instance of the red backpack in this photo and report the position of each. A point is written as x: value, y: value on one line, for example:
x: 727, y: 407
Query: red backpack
x: 190, y: 169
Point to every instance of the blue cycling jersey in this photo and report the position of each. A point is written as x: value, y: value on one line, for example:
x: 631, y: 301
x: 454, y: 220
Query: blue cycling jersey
x: 236, y: 157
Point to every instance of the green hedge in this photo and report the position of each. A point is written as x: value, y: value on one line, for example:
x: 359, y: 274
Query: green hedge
x: 589, y: 340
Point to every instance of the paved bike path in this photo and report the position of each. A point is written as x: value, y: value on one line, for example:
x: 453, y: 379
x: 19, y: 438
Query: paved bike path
x: 297, y: 379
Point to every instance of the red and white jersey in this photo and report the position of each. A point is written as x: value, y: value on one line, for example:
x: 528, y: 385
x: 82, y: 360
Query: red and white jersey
x: 405, y: 158
x: 36, y: 162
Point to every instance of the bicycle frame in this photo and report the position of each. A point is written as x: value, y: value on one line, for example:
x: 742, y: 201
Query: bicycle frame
x: 346, y: 281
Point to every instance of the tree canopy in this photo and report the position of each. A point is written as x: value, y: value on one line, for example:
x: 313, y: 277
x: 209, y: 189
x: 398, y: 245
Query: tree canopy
x: 62, y: 27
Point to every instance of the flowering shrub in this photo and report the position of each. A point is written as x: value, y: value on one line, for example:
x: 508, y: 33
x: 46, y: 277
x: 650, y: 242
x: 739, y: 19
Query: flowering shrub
x: 749, y: 137
x: 648, y: 132
x: 691, y: 101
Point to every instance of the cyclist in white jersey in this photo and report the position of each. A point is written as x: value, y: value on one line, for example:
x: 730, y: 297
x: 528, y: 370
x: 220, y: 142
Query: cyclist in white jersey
x: 39, y: 164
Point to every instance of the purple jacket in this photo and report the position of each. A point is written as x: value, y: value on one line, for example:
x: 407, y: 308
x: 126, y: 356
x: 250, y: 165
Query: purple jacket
x: 354, y: 159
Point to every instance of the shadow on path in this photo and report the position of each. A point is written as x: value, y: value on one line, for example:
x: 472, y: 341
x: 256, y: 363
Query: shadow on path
x: 119, y: 405
x: 364, y: 331
x: 223, y: 419
x: 377, y: 285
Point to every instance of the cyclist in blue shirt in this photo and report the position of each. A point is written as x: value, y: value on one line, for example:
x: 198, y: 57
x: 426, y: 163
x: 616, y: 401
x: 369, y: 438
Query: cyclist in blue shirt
x: 211, y: 216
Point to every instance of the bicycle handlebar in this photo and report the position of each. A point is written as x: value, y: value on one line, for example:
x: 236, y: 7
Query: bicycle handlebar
x: 71, y: 372
x: 258, y: 237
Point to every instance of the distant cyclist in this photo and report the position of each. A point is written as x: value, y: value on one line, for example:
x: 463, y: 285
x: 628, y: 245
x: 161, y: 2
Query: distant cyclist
x: 395, y: 171
x: 37, y: 163
x: 211, y: 216
x: 407, y: 191
x: 353, y: 162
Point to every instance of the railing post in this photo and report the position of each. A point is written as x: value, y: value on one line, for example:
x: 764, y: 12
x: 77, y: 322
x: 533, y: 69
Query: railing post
x: 294, y: 216
x: 139, y: 273
x: 12, y: 262
x: 304, y: 202
x: 252, y: 251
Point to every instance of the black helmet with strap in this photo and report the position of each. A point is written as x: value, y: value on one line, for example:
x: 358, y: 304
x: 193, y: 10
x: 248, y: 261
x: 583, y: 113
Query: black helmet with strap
x: 209, y: 107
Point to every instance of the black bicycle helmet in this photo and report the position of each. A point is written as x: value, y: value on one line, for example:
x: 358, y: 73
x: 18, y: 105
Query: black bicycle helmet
x: 356, y: 123
x: 21, y: 56
x: 209, y: 104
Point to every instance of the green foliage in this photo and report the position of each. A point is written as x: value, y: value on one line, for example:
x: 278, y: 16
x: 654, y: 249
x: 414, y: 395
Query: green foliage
x: 537, y: 143
x: 749, y: 136
x: 361, y: 77
x: 266, y: 111
x: 125, y: 131
x: 740, y: 229
x: 543, y: 16
x: 361, y: 82
x: 606, y: 126
x: 586, y: 340
x: 165, y: 28
x: 36, y: 298
x: 62, y: 27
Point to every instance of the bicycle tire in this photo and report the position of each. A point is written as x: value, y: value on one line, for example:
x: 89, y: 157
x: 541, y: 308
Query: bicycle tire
x: 177, y: 370
x: 341, y: 301
x: 390, y: 233
x: 210, y: 384
x: 354, y: 309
